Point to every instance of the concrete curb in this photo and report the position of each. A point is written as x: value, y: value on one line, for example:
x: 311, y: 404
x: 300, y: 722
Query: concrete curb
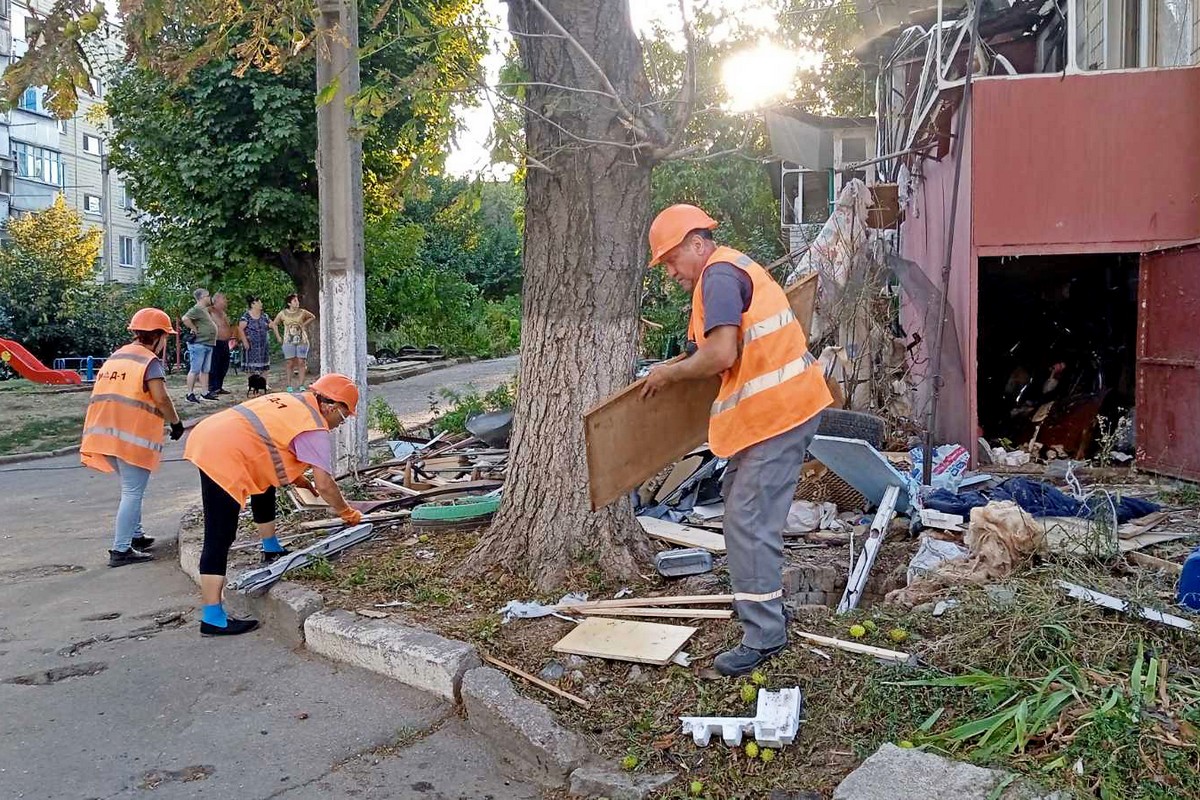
x: 13, y: 458
x: 383, y: 376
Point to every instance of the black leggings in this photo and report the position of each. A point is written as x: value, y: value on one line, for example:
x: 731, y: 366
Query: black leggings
x: 221, y: 512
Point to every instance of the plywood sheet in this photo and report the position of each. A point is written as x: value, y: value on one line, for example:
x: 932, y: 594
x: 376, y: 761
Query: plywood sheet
x: 629, y: 439
x: 625, y: 640
x: 683, y: 535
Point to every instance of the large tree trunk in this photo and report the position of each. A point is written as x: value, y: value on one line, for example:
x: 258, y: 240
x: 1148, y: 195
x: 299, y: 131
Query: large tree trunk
x: 586, y: 212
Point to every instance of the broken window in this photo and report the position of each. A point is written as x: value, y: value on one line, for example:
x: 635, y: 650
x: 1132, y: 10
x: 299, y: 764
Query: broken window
x: 1124, y: 34
x: 1173, y: 33
x: 814, y: 197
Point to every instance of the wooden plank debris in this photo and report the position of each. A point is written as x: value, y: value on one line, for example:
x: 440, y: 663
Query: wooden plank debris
x: 683, y: 535
x: 636, y: 602
x: 1152, y: 537
x: 336, y: 522
x: 942, y: 521
x: 1145, y: 560
x: 624, y: 640
x: 549, y: 687
x: 630, y: 439
x: 857, y: 647
x: 678, y: 613
x: 1124, y: 606
x: 1136, y: 527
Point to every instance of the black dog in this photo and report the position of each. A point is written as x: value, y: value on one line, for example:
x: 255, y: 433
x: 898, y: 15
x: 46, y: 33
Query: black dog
x: 257, y: 385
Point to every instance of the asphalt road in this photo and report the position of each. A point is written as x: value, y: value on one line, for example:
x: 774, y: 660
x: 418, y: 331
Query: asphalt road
x: 108, y: 691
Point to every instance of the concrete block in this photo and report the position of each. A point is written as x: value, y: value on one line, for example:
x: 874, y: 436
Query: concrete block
x: 282, y: 610
x: 415, y: 657
x: 189, y: 557
x: 522, y: 734
x: 615, y: 784
x: 895, y: 773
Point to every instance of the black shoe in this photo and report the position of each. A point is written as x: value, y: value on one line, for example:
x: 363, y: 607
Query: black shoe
x: 742, y: 659
x: 233, y: 627
x: 191, y: 398
x: 119, y: 558
x: 143, y: 542
x: 272, y: 557
x: 209, y: 396
x: 221, y: 391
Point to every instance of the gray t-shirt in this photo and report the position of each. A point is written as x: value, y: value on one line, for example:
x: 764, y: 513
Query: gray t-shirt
x: 727, y: 292
x: 206, y: 329
x: 154, y: 371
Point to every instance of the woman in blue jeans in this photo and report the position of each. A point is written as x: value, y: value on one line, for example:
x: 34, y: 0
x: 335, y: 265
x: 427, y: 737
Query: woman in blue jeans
x: 123, y: 429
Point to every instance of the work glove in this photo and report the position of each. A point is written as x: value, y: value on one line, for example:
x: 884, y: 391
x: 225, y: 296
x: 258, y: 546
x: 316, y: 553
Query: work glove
x: 176, y: 431
x: 351, y: 516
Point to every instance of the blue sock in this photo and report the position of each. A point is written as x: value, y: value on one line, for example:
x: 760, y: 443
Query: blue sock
x: 214, y: 615
x: 271, y: 545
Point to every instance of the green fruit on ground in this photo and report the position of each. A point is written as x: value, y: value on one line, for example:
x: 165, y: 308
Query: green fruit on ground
x: 629, y: 763
x: 906, y: 744
x: 749, y: 693
x: 857, y: 631
x: 752, y: 750
x: 695, y: 788
x: 767, y: 755
x: 758, y: 678
x: 870, y: 625
x: 898, y: 635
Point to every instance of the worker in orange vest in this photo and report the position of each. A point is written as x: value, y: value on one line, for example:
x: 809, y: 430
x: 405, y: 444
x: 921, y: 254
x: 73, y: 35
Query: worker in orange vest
x: 123, y: 428
x: 243, y: 453
x: 766, y: 412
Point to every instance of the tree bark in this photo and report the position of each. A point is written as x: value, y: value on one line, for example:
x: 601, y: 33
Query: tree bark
x: 586, y: 212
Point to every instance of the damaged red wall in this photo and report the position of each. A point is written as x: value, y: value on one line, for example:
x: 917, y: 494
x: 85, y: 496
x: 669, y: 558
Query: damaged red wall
x: 1101, y: 162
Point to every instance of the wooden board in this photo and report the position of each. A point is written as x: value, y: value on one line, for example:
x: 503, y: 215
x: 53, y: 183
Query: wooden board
x: 1147, y: 539
x: 630, y: 439
x: 683, y: 535
x: 680, y: 613
x: 668, y: 600
x: 681, y: 472
x: 624, y: 640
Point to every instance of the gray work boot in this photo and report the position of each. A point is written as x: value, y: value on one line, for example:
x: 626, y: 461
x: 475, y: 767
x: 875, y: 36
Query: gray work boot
x: 742, y: 659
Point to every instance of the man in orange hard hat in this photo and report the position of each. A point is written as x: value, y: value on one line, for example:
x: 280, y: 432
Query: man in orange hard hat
x: 245, y: 452
x: 766, y: 412
x: 123, y: 428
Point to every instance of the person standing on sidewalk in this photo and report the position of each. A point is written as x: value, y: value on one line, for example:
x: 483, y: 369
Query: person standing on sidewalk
x: 123, y: 428
x: 253, y: 330
x: 766, y: 413
x: 200, y: 350
x: 244, y: 453
x: 220, y: 354
x: 295, y: 321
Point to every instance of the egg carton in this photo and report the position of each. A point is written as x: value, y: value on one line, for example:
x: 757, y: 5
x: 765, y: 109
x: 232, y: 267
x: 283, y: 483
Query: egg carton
x: 775, y: 723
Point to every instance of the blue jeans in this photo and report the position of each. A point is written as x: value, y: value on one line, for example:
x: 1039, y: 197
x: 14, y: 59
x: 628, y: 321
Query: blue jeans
x: 200, y: 356
x: 129, y: 512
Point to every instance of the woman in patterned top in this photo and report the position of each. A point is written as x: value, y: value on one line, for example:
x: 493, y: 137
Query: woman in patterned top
x: 295, y: 321
x: 253, y: 330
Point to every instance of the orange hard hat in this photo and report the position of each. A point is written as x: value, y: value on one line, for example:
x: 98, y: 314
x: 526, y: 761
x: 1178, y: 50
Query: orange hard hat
x: 672, y: 225
x: 150, y: 319
x: 338, y: 387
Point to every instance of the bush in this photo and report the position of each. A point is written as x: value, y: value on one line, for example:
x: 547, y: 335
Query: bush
x: 464, y: 405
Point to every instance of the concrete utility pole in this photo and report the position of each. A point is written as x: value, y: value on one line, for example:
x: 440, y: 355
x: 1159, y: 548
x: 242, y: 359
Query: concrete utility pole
x: 339, y: 171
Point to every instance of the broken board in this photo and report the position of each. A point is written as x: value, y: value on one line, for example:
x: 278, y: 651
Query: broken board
x: 629, y: 439
x: 624, y: 640
x: 862, y: 466
x: 683, y: 535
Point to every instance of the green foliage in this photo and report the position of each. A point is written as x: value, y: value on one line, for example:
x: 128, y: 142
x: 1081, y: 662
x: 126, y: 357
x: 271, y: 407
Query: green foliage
x: 49, y: 298
x: 381, y: 417
x: 464, y: 405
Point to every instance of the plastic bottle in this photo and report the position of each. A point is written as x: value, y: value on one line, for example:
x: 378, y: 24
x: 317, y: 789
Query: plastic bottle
x: 1188, y: 593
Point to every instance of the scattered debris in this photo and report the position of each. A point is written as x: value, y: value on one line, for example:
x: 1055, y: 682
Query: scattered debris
x: 862, y: 568
x: 680, y: 563
x: 256, y: 581
x: 622, y: 640
x: 1124, y: 606
x: 537, y: 682
x: 371, y: 613
x: 683, y: 535
x: 775, y: 724
x: 855, y: 647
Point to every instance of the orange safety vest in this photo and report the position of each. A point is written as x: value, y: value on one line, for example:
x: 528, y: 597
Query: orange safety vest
x: 122, y: 418
x: 245, y: 449
x: 775, y: 384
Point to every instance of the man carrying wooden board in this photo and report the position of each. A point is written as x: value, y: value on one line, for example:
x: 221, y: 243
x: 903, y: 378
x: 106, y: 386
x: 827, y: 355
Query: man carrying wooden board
x: 765, y: 415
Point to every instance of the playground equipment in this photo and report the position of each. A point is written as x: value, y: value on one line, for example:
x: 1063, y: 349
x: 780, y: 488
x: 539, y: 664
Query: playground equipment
x: 26, y: 364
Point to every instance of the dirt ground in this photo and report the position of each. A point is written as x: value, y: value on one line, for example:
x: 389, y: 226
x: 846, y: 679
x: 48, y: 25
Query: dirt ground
x: 40, y: 418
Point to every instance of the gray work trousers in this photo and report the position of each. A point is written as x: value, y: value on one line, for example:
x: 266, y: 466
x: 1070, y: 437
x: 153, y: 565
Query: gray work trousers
x: 758, y: 488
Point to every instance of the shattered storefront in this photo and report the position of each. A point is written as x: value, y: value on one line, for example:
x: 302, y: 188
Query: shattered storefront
x: 1074, y: 251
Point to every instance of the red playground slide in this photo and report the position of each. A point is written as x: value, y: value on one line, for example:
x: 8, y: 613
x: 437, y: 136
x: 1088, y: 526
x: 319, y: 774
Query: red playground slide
x: 27, y: 366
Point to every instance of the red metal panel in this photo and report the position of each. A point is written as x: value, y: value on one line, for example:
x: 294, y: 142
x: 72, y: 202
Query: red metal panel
x: 1108, y: 157
x: 1168, y: 374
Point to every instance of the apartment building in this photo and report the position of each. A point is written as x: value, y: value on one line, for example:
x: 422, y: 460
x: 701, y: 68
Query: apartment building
x: 48, y: 157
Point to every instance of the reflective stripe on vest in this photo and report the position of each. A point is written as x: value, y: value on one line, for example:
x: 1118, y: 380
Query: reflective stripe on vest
x: 763, y: 382
x: 127, y: 401
x: 124, y: 436
x: 272, y: 450
x: 768, y: 325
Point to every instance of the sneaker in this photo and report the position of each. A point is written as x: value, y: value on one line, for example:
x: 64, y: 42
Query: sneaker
x: 209, y: 396
x: 221, y: 391
x: 269, y: 557
x: 119, y: 558
x: 291, y: 390
x: 233, y: 627
x: 143, y: 542
x: 191, y: 398
x: 742, y: 660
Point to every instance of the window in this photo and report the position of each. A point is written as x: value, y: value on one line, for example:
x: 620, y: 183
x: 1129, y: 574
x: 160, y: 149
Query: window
x: 1124, y: 34
x: 39, y: 164
x: 91, y: 204
x: 127, y: 250
x: 94, y: 85
x: 91, y: 144
x: 30, y: 100
x: 62, y: 127
x: 814, y: 197
x: 126, y: 201
x: 853, y: 151
x: 1172, y: 33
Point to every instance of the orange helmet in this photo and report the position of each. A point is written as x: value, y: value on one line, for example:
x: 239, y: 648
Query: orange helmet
x: 151, y: 319
x: 338, y: 387
x: 672, y: 225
